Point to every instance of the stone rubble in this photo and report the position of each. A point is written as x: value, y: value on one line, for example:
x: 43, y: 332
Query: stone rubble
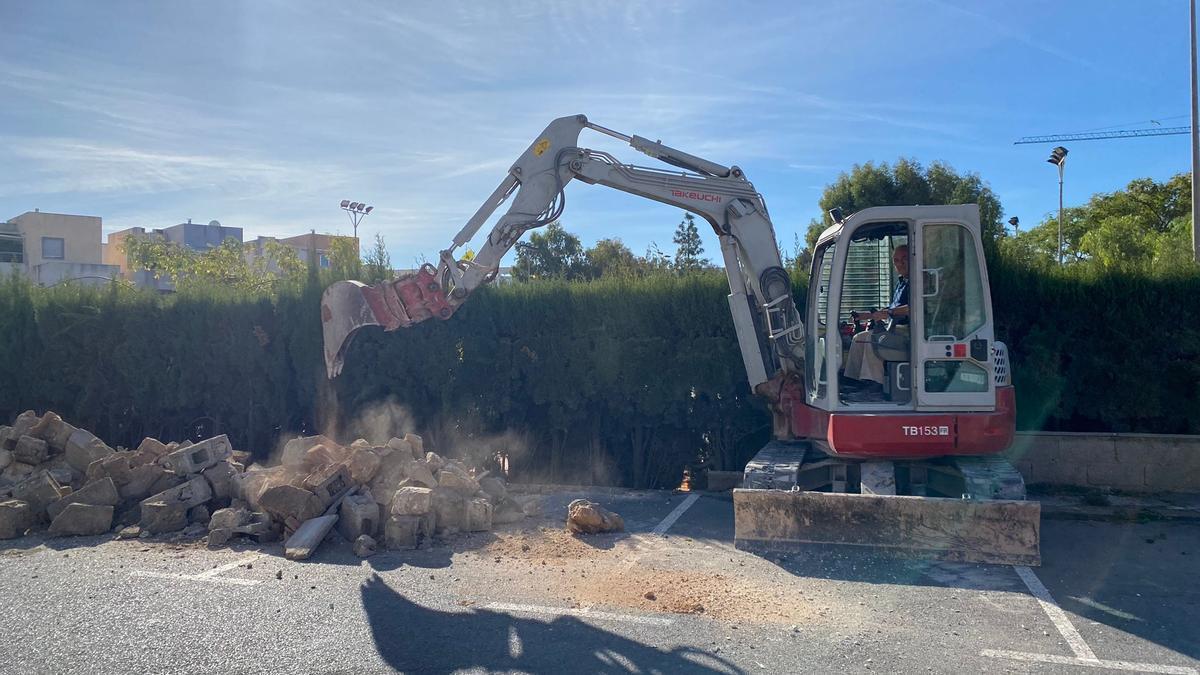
x: 399, y: 495
x: 584, y: 517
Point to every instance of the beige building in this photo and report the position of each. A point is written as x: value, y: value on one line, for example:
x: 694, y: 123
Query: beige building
x: 59, y: 247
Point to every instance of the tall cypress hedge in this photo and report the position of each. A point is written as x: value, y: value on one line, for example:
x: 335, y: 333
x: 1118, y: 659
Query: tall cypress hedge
x: 618, y: 381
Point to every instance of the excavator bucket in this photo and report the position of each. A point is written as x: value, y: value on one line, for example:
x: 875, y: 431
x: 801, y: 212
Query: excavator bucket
x: 347, y: 306
x: 965, y: 509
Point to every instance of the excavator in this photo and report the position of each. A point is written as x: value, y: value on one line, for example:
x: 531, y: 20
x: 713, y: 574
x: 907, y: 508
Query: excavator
x: 915, y: 469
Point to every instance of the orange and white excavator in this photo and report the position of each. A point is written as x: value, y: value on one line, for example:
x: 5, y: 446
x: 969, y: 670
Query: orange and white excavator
x: 913, y: 466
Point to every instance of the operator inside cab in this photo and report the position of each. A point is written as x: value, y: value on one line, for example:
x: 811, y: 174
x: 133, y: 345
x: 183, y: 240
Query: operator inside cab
x: 865, y: 364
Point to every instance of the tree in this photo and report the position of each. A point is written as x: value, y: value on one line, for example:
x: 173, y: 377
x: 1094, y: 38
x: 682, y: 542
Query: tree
x: 344, y: 262
x: 552, y: 254
x: 378, y: 263
x: 689, y: 247
x: 1145, y: 226
x: 906, y: 183
x: 226, y: 265
x: 611, y: 257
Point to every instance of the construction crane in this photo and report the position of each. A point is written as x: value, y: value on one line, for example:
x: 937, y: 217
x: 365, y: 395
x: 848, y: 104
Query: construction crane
x: 1100, y: 135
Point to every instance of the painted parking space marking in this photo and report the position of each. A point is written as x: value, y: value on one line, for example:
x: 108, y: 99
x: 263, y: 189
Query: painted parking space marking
x: 583, y: 613
x: 211, y: 575
x: 674, y: 515
x: 1084, y: 656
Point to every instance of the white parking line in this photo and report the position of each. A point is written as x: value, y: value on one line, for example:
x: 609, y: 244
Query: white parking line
x: 674, y: 515
x: 582, y: 613
x: 208, y: 575
x: 1084, y: 656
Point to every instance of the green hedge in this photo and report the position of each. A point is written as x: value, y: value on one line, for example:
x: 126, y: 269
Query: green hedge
x: 619, y: 381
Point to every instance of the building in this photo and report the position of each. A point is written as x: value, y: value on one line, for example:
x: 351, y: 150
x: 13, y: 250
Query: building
x: 59, y: 247
x: 322, y: 244
x: 200, y: 237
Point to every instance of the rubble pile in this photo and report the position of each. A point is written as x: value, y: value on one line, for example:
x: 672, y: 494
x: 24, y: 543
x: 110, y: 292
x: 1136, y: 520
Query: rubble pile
x: 584, y: 517
x: 396, y: 495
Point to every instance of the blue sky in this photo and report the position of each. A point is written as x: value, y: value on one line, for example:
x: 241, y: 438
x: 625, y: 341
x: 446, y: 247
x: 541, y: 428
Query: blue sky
x: 266, y: 114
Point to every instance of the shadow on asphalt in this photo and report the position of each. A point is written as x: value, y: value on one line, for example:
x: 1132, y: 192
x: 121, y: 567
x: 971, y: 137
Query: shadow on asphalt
x: 413, y: 638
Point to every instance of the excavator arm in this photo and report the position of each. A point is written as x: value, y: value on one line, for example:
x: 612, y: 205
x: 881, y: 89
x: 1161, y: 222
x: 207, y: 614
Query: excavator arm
x: 768, y: 327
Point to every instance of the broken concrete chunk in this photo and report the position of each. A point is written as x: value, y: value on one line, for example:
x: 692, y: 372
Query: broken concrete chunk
x: 220, y: 477
x: 434, y: 462
x: 364, y: 464
x: 479, y: 515
x: 6, y: 458
x: 494, y: 487
x: 302, y: 544
x: 82, y: 520
x: 18, y: 471
x: 406, y: 532
x: 290, y: 502
x: 39, y: 491
x: 450, y: 509
x: 228, y: 519
x: 21, y: 426
x: 61, y: 437
x: 416, y: 443
x: 65, y: 475
x: 328, y: 483
x: 219, y: 536
x: 198, y: 457
x: 159, y: 517
x: 146, y: 480
x: 359, y: 443
x: 98, y: 493
x: 115, y: 465
x: 199, y: 514
x: 584, y: 517
x: 457, y: 481
x: 82, y: 449
x: 31, y: 450
x: 49, y: 428
x: 364, y: 546
x: 150, y: 451
x: 192, y: 493
x: 401, y: 446
x: 16, y: 516
x: 294, y: 450
x: 359, y: 515
x: 412, y: 501
x: 130, y: 532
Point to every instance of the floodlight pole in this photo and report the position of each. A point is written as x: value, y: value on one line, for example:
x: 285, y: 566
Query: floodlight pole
x: 357, y: 211
x: 1060, y: 209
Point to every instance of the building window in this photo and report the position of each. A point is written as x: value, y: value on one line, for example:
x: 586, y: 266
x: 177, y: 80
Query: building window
x: 324, y: 261
x: 53, y: 248
x: 11, y: 249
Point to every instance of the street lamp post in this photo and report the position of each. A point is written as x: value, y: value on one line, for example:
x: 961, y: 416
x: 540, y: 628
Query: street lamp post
x: 357, y: 211
x: 1016, y: 225
x: 1058, y: 157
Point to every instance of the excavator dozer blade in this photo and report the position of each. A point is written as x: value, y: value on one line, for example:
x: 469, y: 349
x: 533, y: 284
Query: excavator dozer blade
x: 344, y: 310
x: 997, y: 531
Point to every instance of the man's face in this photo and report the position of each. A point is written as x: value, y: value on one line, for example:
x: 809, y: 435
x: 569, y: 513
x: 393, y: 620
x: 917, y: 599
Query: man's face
x: 900, y: 260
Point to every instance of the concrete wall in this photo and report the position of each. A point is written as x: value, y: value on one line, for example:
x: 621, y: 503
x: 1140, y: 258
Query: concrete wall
x: 1130, y: 462
x: 91, y: 274
x: 200, y: 237
x: 81, y: 237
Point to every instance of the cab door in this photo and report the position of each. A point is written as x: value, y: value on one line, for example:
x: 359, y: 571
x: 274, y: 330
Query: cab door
x: 952, y: 325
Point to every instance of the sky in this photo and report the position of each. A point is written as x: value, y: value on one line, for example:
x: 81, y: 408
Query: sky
x: 265, y: 114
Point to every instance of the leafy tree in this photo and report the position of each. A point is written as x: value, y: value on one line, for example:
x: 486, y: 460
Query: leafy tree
x: 611, y: 257
x: 378, y: 263
x: 344, y: 262
x: 655, y: 259
x: 226, y: 265
x: 904, y: 183
x: 1145, y: 226
x: 689, y: 248
x: 552, y: 254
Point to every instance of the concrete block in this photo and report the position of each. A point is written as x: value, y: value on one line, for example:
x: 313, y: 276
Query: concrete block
x: 99, y: 493
x: 494, y: 487
x: 65, y: 475
x: 149, y: 451
x: 220, y: 477
x: 364, y: 464
x: 39, y: 491
x: 479, y: 515
x: 434, y: 461
x: 1161, y: 451
x: 458, y: 481
x: 16, y: 516
x: 61, y: 437
x: 416, y: 443
x: 16, y: 471
x: 192, y: 493
x: 359, y: 515
x: 5, y: 433
x: 290, y: 502
x: 405, y: 532
x: 146, y: 480
x: 115, y: 465
x: 302, y: 544
x: 402, y: 446
x: 199, y: 514
x: 198, y: 457
x: 30, y: 450
x: 82, y: 520
x: 6, y: 458
x: 294, y: 450
x: 83, y: 448
x: 1182, y: 478
x: 159, y: 516
x: 21, y: 426
x: 329, y: 483
x: 1059, y: 473
x: 508, y: 511
x: 52, y: 429
x: 1086, y: 448
x: 412, y: 501
x: 228, y: 519
x: 364, y: 546
x: 1114, y: 475
x: 450, y: 510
